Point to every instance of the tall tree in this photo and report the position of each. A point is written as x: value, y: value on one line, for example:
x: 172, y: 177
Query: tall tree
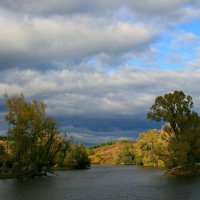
x: 176, y: 109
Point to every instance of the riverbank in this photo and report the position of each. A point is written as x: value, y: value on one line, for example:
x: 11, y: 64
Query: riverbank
x: 188, y: 170
x: 109, y: 153
x: 7, y: 176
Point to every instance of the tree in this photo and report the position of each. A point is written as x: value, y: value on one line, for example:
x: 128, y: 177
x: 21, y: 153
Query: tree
x: 77, y: 157
x: 174, y: 108
x: 147, y: 149
x: 35, y: 137
x: 61, y: 155
x: 126, y: 156
x: 182, y: 128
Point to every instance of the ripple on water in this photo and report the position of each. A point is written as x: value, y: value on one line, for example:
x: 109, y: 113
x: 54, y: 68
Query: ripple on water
x: 102, y: 183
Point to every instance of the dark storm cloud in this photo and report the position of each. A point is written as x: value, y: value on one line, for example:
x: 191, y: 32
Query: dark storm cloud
x: 78, y: 6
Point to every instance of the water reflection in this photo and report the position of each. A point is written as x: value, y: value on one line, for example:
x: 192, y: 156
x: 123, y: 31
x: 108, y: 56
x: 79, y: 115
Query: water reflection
x: 103, y: 182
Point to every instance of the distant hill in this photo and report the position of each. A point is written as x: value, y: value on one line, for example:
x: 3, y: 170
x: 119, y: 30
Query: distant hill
x: 107, y: 153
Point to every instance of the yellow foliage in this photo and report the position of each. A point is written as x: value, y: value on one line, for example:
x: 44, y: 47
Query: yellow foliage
x: 95, y: 159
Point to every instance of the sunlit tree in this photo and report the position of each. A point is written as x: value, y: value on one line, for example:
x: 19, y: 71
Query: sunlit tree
x: 176, y: 109
x: 34, y: 136
x: 182, y: 127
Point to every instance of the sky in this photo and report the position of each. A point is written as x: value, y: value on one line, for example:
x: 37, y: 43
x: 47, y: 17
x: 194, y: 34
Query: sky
x: 99, y: 65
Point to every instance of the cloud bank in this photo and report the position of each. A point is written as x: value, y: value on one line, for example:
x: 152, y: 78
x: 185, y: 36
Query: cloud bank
x: 98, y: 65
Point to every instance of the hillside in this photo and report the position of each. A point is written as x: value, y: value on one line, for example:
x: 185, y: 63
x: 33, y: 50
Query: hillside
x: 107, y: 153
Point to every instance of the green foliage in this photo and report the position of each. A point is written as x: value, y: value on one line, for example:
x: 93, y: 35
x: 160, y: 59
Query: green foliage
x: 2, y: 150
x: 126, y: 156
x: 159, y: 148
x: 3, y: 138
x: 181, y: 140
x: 77, y: 157
x: 2, y: 154
x: 183, y: 150
x: 174, y: 108
x: 33, y: 145
x: 34, y: 136
x: 60, y: 156
x: 103, y: 144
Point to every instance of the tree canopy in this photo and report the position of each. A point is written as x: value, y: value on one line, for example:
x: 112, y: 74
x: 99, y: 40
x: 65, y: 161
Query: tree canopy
x: 176, y: 109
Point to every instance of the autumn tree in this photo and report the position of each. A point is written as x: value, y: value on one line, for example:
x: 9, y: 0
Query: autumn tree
x: 176, y: 109
x: 182, y: 123
x: 148, y: 148
x: 34, y: 136
x: 126, y: 156
x: 77, y: 157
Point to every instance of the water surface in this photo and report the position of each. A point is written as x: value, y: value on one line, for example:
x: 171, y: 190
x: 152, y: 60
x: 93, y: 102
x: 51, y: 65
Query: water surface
x: 103, y: 182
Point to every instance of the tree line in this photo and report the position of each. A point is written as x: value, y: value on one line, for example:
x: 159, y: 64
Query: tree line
x: 34, y: 144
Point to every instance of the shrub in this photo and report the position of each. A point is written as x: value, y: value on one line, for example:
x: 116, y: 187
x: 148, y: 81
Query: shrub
x: 77, y: 157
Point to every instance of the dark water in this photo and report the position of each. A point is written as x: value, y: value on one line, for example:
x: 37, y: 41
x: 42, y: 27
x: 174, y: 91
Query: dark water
x: 103, y: 182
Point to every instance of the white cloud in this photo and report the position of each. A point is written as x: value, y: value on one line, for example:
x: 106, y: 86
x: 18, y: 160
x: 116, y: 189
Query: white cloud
x: 40, y: 32
x: 184, y: 39
x: 64, y: 39
x: 125, y: 92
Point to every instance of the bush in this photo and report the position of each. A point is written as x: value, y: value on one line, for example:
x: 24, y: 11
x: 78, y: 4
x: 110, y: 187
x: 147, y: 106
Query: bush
x: 126, y: 156
x: 77, y: 157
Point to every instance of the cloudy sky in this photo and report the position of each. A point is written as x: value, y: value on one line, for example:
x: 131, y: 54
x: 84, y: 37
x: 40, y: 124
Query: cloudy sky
x: 98, y: 65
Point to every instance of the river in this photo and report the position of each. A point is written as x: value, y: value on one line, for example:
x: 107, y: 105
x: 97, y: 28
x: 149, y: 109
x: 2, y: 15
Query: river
x: 103, y: 182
